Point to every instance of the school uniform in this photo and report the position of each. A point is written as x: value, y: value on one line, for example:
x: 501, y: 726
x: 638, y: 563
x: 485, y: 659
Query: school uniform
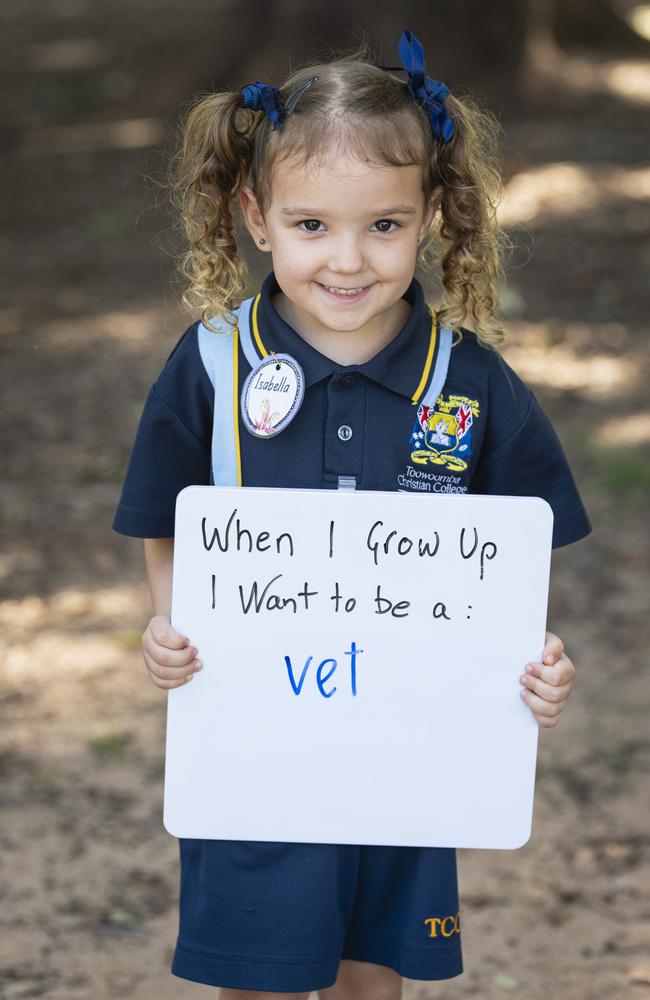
x: 280, y: 916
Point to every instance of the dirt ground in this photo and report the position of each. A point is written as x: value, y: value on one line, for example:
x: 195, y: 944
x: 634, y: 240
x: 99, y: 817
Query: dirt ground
x: 88, y: 313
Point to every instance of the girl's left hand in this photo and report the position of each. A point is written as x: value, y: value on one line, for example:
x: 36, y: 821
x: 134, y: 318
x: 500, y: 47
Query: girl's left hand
x: 547, y: 685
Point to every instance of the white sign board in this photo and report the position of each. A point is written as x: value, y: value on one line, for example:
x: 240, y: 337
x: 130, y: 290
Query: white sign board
x: 361, y: 659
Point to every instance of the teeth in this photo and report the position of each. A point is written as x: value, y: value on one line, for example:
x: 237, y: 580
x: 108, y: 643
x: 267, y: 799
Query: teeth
x: 344, y: 291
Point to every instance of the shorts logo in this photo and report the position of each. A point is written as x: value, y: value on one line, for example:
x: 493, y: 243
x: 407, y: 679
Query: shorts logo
x: 442, y: 435
x: 446, y: 925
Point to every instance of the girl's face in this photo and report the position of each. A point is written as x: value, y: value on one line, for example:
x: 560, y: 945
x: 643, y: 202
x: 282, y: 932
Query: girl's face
x: 346, y: 227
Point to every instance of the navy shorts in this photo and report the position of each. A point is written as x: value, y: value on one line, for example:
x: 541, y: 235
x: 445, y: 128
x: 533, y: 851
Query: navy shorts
x: 272, y: 916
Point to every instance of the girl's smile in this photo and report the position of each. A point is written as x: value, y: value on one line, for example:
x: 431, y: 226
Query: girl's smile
x: 346, y: 296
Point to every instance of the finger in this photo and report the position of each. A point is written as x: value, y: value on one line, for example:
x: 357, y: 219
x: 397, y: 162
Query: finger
x: 553, y: 648
x: 165, y: 634
x: 166, y: 685
x: 549, y: 692
x: 173, y: 658
x: 562, y: 673
x: 165, y: 672
x: 539, y: 707
x: 546, y: 723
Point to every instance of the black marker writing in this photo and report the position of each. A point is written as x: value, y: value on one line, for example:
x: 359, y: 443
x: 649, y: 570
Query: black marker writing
x: 488, y: 550
x: 270, y: 601
x: 350, y: 602
x: 243, y: 537
x: 403, y: 545
x: 385, y: 606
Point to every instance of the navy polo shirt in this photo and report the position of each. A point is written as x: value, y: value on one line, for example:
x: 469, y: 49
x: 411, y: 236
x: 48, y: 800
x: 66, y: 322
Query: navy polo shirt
x: 486, y: 433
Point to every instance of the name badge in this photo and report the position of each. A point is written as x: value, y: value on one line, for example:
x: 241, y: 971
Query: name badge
x: 272, y: 395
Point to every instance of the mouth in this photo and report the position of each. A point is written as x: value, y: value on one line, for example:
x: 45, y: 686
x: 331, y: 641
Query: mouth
x: 342, y: 294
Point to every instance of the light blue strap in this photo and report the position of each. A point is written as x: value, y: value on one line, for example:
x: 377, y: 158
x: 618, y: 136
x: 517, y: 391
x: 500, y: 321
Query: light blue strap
x: 216, y: 351
x: 439, y: 374
x: 245, y: 336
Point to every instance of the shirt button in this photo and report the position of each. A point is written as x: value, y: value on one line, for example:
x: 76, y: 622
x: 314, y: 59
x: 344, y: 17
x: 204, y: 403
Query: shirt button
x: 344, y: 432
x: 347, y: 381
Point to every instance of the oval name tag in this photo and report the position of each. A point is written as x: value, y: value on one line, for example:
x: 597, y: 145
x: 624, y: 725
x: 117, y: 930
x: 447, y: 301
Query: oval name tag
x: 272, y: 395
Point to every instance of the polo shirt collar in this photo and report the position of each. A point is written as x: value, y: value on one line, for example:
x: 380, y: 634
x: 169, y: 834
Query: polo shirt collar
x: 399, y: 366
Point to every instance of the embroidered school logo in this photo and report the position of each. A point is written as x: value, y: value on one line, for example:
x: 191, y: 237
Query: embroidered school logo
x: 446, y: 926
x: 442, y: 435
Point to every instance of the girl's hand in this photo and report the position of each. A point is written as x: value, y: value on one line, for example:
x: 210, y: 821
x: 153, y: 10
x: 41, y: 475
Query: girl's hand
x: 547, y: 685
x: 168, y: 655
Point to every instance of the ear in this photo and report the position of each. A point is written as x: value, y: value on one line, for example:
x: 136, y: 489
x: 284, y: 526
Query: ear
x: 434, y: 205
x: 253, y: 218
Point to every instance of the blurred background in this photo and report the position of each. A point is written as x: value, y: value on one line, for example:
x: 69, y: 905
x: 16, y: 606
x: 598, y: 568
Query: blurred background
x: 89, y: 310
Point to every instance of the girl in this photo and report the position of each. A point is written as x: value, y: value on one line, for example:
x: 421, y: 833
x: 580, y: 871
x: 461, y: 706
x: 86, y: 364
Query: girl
x: 341, y: 174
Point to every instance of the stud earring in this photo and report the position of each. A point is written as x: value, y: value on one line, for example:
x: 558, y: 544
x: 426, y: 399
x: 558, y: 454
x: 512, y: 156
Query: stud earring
x: 262, y: 241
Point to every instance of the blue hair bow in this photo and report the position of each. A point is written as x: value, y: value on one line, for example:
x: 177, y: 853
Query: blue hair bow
x: 432, y: 93
x: 264, y: 96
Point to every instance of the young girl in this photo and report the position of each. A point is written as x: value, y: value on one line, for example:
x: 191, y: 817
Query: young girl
x: 347, y: 175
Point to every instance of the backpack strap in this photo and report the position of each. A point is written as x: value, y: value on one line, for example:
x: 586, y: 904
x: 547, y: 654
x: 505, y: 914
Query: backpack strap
x: 436, y: 366
x: 439, y: 373
x: 248, y: 307
x: 219, y: 353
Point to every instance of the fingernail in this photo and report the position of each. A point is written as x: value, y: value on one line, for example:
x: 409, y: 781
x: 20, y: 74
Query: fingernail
x: 194, y: 650
x: 523, y: 693
x: 189, y: 677
x: 529, y: 668
x: 198, y: 665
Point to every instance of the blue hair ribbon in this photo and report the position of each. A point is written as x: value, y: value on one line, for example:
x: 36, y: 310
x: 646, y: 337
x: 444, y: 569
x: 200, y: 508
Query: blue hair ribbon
x: 264, y: 96
x: 432, y: 93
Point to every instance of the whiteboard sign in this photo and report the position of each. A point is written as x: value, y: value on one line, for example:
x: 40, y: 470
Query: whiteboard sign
x: 361, y: 657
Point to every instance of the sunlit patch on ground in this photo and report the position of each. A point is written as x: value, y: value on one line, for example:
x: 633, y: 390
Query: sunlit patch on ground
x: 565, y: 190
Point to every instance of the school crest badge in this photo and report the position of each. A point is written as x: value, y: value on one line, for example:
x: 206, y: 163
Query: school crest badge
x: 442, y: 435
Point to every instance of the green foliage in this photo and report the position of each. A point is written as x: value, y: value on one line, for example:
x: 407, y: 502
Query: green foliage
x: 110, y: 745
x: 112, y: 225
x: 621, y: 471
x: 128, y: 641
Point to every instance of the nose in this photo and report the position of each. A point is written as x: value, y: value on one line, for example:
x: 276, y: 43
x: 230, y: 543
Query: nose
x: 347, y: 255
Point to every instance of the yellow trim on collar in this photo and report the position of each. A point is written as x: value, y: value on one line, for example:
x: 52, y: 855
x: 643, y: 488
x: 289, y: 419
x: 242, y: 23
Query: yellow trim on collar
x: 256, y: 333
x: 427, y: 364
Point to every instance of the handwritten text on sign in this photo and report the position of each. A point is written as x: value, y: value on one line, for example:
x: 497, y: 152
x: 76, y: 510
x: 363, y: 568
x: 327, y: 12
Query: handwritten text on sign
x: 409, y: 617
x: 381, y: 543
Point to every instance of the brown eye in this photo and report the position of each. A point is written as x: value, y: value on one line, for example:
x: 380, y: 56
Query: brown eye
x: 308, y: 222
x: 389, y: 222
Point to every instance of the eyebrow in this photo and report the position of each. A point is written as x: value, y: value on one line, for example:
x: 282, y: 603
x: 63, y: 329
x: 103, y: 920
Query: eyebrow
x: 317, y: 212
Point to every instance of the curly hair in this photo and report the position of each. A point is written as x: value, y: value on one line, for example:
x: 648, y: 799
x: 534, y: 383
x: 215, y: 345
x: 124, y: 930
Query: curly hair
x: 360, y: 109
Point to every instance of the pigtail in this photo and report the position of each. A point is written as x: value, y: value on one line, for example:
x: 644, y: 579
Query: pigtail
x: 206, y: 174
x: 469, y: 246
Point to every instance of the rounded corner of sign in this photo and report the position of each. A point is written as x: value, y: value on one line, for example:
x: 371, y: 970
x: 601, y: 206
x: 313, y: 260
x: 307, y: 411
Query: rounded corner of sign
x: 522, y: 840
x: 170, y: 826
x: 545, y: 505
x: 185, y: 492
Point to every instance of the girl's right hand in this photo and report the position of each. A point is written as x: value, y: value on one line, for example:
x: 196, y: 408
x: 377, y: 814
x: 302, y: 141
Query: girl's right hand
x: 169, y: 656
